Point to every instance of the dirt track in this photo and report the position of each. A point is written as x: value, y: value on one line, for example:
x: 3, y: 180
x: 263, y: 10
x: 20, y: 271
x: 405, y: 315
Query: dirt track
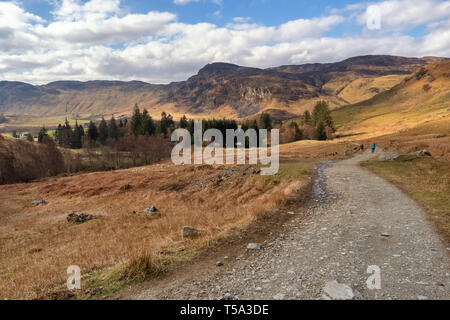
x: 357, y: 220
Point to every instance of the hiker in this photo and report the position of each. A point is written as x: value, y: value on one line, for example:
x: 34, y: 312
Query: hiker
x: 361, y: 148
x: 373, y: 146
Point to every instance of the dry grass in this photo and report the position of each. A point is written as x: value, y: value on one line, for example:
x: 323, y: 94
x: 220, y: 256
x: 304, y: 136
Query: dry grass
x: 433, y: 136
x: 365, y: 88
x: 38, y: 244
x: 404, y: 106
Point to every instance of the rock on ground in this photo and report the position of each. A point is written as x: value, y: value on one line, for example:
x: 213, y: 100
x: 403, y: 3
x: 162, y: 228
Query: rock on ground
x: 189, y: 232
x: 79, y: 218
x: 39, y: 202
x: 254, y: 246
x: 151, y: 211
x: 338, y: 291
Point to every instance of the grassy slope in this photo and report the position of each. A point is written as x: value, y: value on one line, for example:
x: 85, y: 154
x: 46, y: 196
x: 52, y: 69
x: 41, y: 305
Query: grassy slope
x: 404, y: 106
x: 365, y: 88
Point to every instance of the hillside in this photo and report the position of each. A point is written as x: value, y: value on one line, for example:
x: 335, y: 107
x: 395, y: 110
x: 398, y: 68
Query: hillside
x: 219, y: 89
x: 424, y: 96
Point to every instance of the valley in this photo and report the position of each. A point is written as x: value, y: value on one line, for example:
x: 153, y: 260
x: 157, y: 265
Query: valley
x: 401, y: 104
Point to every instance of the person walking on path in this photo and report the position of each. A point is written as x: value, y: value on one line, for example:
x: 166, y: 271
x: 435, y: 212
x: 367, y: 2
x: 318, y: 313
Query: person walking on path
x: 361, y: 148
x: 373, y: 147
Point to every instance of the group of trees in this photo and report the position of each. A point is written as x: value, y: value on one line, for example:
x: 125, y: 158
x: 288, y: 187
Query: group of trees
x: 65, y: 136
x: 105, y: 131
x: 319, y: 124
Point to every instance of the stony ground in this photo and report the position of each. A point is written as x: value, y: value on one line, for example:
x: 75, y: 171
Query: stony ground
x: 357, y: 220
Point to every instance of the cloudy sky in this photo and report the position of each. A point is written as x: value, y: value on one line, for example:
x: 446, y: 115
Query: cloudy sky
x: 160, y: 41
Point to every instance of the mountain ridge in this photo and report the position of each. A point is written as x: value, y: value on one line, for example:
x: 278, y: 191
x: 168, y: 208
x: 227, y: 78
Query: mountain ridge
x: 218, y: 89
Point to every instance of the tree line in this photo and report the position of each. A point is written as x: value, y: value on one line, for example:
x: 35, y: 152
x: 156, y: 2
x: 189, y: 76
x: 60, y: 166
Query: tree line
x: 317, y: 125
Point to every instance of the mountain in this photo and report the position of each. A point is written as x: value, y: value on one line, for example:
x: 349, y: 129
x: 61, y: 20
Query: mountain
x: 219, y: 89
x: 421, y: 97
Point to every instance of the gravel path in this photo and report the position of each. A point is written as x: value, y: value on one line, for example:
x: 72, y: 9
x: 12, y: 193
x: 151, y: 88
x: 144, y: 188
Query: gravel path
x: 358, y: 220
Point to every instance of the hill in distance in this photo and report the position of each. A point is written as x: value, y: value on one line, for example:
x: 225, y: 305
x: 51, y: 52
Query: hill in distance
x: 218, y: 90
x: 423, y: 97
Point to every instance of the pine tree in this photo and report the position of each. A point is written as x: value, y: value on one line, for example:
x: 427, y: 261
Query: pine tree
x: 307, y: 118
x: 77, y: 137
x: 183, y: 122
x: 147, y: 123
x: 320, y: 133
x: 103, y: 131
x: 163, y: 124
x: 65, y: 135
x: 322, y: 114
x: 57, y: 134
x: 42, y: 133
x: 113, y: 131
x: 92, y: 131
x: 136, y: 122
x: 264, y: 121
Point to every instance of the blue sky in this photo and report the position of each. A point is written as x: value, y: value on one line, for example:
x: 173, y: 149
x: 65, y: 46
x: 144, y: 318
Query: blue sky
x: 169, y: 40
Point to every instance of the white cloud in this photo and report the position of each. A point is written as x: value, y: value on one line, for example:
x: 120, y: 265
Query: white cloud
x: 100, y: 40
x: 184, y: 1
x: 403, y: 13
x: 241, y: 19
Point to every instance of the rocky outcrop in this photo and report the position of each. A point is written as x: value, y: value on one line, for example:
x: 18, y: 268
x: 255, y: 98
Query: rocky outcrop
x: 79, y: 218
x: 39, y: 202
x: 151, y: 211
x: 389, y: 156
x: 189, y: 232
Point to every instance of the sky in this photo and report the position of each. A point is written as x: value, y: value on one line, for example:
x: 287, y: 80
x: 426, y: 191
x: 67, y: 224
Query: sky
x: 160, y: 41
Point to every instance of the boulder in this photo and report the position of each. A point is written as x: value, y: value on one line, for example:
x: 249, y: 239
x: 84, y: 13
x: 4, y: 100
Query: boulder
x: 79, y: 218
x: 189, y: 232
x: 441, y: 135
x: 388, y: 156
x: 254, y: 246
x: 151, y: 211
x: 338, y: 291
x: 39, y: 202
x: 420, y: 153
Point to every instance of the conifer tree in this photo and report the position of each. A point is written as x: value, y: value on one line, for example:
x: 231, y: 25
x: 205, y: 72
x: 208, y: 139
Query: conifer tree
x: 147, y: 123
x: 183, y: 122
x: 103, y: 131
x: 307, y: 118
x: 76, y: 141
x: 92, y: 131
x: 264, y: 121
x: 322, y: 114
x: 136, y: 122
x: 320, y: 133
x: 113, y: 130
x: 42, y: 133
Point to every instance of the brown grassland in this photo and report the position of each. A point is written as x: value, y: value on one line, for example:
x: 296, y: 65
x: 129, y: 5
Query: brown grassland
x: 118, y: 247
